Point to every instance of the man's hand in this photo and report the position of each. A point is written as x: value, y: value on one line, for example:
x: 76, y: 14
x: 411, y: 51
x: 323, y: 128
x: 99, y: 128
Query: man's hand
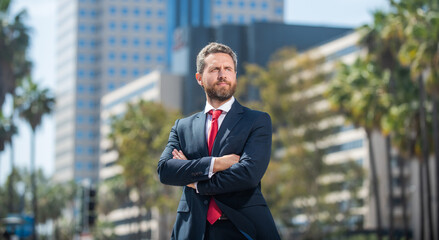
x: 178, y: 155
x: 225, y: 162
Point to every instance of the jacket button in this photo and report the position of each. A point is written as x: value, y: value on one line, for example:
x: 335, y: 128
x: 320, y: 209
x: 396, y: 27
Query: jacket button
x: 206, y: 202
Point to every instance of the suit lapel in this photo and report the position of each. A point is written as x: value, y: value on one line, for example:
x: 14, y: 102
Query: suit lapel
x: 199, y: 133
x: 232, y: 117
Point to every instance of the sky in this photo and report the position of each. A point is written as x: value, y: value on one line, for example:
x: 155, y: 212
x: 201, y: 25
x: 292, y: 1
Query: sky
x: 42, y: 16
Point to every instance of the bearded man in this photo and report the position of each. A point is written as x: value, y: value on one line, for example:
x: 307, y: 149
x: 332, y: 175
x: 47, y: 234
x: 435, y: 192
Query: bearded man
x: 219, y: 156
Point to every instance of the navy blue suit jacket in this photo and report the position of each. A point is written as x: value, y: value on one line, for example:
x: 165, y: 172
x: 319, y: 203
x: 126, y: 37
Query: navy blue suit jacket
x: 237, y: 190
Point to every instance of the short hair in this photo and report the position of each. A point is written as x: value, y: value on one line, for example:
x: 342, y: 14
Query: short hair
x: 214, y: 48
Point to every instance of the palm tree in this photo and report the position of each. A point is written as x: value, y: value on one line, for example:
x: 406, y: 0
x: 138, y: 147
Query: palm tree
x: 14, y: 42
x: 382, y: 39
x: 139, y: 136
x: 358, y: 91
x: 421, y: 53
x: 32, y: 104
x: 7, y: 130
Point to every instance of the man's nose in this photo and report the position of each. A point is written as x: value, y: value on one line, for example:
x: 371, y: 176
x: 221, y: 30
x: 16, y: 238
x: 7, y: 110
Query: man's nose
x: 221, y: 73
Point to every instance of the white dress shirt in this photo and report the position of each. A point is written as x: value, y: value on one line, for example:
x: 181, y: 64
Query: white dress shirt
x: 225, y: 108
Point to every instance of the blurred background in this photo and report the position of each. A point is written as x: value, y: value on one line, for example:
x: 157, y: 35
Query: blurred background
x: 89, y: 90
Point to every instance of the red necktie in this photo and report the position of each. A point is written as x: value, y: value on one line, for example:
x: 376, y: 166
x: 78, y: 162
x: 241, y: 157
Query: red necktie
x: 213, y: 212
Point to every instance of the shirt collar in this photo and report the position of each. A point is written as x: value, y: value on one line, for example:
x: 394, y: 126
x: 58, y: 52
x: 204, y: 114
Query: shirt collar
x: 225, y: 107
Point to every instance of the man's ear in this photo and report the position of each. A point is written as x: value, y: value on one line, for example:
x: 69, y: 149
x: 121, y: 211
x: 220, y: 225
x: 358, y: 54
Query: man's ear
x: 198, y: 77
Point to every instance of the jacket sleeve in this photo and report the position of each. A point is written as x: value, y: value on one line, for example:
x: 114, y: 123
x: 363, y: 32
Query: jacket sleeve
x: 250, y: 169
x: 180, y: 172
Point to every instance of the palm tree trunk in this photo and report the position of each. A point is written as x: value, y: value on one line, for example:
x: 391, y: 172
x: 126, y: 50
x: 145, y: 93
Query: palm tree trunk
x: 425, y: 153
x: 436, y: 154
x: 34, y: 186
x: 375, y: 185
x: 390, y: 180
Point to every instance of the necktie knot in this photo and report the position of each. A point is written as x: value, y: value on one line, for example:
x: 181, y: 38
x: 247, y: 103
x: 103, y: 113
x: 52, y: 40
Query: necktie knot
x: 215, y: 113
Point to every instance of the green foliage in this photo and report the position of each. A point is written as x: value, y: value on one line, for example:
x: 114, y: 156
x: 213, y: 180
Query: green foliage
x: 33, y: 103
x: 139, y: 136
x: 14, y: 42
x: 293, y: 184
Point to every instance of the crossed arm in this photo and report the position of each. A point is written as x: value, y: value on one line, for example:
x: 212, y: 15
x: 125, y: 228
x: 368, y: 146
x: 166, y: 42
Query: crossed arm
x: 232, y: 172
x: 220, y: 163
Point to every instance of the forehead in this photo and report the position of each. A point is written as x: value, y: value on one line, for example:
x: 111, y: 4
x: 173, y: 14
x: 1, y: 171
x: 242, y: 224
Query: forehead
x: 218, y: 58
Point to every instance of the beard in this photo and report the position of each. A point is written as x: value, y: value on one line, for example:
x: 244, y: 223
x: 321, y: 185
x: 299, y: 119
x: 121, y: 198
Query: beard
x: 220, y: 93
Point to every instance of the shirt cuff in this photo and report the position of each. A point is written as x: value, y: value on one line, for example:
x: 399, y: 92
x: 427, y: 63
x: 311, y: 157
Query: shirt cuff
x: 212, y: 162
x: 196, y: 186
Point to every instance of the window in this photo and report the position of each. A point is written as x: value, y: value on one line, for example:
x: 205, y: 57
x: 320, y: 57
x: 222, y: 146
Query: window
x: 111, y: 71
x: 91, y: 150
x: 253, y: 4
x: 218, y: 2
x: 81, y: 28
x: 241, y: 19
x: 135, y: 72
x: 124, y: 41
x: 147, y: 43
x: 81, y: 73
x: 160, y: 28
x: 112, y: 25
x: 148, y: 27
x: 147, y: 58
x: 136, y: 42
x: 278, y: 11
x: 218, y: 17
x: 241, y: 4
x: 136, y: 11
x: 82, y: 12
x: 78, y: 165
x: 160, y: 13
x: 112, y: 10
x: 80, y: 88
x: 264, y: 5
x: 230, y: 3
x: 110, y: 86
x: 91, y: 134
x: 79, y: 119
x: 125, y: 11
x: 148, y: 12
x: 123, y: 72
x: 124, y: 26
x: 136, y: 27
x: 112, y: 41
x: 111, y: 56
x: 92, y: 89
x: 160, y: 43
x: 230, y: 18
x: 79, y: 134
x: 136, y: 57
x: 91, y: 120
x: 80, y: 103
x: 81, y: 58
x: 160, y: 59
x: 81, y: 43
x: 123, y: 56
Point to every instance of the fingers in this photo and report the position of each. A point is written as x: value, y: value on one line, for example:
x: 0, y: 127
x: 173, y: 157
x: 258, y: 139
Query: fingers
x: 176, y: 154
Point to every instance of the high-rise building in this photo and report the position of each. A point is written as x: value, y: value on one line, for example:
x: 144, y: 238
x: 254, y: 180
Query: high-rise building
x: 102, y: 45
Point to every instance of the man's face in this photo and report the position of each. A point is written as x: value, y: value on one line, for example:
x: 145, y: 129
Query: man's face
x: 219, y: 77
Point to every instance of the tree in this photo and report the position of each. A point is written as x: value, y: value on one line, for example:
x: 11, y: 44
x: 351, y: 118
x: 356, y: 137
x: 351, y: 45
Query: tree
x: 14, y: 42
x: 421, y: 53
x: 285, y: 88
x: 139, y: 137
x: 33, y: 103
x: 358, y: 91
